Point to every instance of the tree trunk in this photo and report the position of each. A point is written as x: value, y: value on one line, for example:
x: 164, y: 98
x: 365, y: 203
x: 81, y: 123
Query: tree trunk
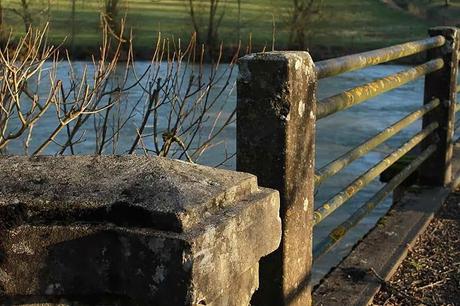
x: 196, y: 27
x: 303, y: 11
x: 111, y: 11
x: 73, y: 31
x: 239, y: 21
x: 210, y: 40
x: 213, y: 20
x: 26, y: 16
x: 1, y: 16
x: 23, y: 12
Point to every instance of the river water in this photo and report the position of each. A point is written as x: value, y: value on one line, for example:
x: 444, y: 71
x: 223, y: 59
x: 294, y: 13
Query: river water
x: 335, y: 135
x: 340, y: 132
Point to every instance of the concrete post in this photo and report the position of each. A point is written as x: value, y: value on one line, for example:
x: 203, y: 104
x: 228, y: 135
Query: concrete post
x: 437, y: 170
x: 275, y: 141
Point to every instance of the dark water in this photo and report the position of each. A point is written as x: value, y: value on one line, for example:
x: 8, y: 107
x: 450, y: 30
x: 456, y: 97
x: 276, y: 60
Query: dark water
x: 335, y: 135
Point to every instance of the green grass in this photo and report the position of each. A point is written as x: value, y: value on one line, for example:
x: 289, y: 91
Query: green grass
x: 345, y: 24
x: 437, y: 12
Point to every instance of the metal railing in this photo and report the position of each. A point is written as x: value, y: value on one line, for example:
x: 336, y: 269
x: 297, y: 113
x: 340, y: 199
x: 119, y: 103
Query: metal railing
x: 361, y: 94
x: 336, y: 66
x: 334, y: 167
x: 277, y: 114
x: 370, y: 90
x: 339, y: 199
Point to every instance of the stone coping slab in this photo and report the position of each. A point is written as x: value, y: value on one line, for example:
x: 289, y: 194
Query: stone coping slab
x: 130, y: 191
x: 131, y: 231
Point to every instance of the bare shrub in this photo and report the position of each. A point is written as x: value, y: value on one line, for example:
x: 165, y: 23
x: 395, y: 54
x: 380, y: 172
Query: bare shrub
x: 173, y: 106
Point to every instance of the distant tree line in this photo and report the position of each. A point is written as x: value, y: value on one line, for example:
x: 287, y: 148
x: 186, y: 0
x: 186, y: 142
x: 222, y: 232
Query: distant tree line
x: 298, y: 17
x: 30, y: 11
x: 206, y: 17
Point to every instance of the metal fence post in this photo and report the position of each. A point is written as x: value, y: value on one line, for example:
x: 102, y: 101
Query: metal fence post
x: 437, y: 170
x: 276, y: 141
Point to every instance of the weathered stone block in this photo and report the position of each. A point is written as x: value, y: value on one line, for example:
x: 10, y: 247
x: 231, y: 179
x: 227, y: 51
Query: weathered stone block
x: 276, y: 112
x: 131, y: 230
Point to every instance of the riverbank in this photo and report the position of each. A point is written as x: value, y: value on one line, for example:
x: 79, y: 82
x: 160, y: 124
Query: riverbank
x: 430, y: 274
x: 343, y: 26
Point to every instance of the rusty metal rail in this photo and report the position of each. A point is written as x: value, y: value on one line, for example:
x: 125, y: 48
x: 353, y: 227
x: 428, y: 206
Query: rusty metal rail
x: 365, y: 92
x: 332, y: 67
x: 339, y: 232
x: 340, y: 198
x: 440, y: 65
x: 337, y: 165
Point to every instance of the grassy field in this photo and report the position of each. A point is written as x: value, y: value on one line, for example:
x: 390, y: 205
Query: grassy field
x: 344, y: 24
x: 434, y: 10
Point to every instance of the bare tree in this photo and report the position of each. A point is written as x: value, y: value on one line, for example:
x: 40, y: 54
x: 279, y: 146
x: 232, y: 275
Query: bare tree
x: 206, y: 19
x: 72, y: 25
x: 3, y: 28
x: 1, y: 16
x: 111, y: 12
x: 301, y: 15
x: 25, y: 11
x: 239, y: 20
x: 25, y: 14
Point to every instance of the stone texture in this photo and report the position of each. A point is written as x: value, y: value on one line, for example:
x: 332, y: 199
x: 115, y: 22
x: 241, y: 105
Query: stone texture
x: 131, y: 231
x: 276, y: 111
x: 157, y: 193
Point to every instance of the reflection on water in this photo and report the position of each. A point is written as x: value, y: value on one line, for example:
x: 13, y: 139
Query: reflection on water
x: 335, y: 136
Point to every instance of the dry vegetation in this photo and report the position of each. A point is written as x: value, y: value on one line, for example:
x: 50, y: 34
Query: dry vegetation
x: 178, y: 108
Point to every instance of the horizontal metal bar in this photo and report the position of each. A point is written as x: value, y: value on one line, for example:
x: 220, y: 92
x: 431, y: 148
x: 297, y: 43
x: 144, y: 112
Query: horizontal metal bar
x: 339, y: 232
x: 337, y: 165
x: 335, y: 66
x: 364, y: 92
x: 337, y: 200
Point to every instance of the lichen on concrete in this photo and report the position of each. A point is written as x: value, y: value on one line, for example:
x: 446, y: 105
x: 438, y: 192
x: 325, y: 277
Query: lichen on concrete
x: 276, y: 111
x: 131, y: 231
